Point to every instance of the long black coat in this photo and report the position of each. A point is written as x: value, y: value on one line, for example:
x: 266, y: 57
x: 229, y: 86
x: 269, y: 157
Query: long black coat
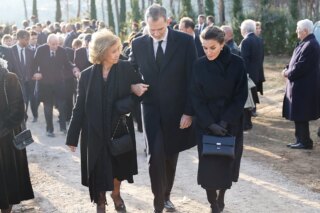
x: 301, y: 101
x: 89, y: 118
x: 219, y: 93
x: 252, y: 53
x: 15, y: 185
x: 168, y: 97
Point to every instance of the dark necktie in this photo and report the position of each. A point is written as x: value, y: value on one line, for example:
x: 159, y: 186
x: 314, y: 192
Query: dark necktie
x: 52, y: 54
x: 21, y: 57
x: 159, y: 55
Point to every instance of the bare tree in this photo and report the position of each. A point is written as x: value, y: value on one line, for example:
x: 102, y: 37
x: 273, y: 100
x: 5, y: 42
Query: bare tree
x: 222, y: 17
x: 143, y: 5
x: 79, y: 9
x: 102, y: 10
x: 67, y: 9
x: 25, y: 9
x: 201, y: 7
x: 150, y: 2
x: 116, y: 5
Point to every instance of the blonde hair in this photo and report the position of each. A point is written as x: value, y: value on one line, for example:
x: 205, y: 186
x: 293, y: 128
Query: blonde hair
x: 101, y: 41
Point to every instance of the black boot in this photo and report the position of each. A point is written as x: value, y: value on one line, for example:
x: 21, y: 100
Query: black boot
x: 220, y: 199
x: 212, y: 198
x: 8, y: 210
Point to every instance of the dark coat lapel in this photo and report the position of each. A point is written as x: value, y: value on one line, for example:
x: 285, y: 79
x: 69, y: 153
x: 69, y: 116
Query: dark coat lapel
x: 94, y: 100
x: 172, y: 44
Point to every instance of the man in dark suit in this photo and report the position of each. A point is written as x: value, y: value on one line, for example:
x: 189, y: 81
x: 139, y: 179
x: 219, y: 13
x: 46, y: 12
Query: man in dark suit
x: 81, y: 55
x: 51, y: 61
x: 42, y: 37
x: 228, y: 39
x: 165, y: 57
x: 201, y: 24
x: 186, y: 25
x: 70, y: 36
x: 251, y: 49
x: 23, y: 60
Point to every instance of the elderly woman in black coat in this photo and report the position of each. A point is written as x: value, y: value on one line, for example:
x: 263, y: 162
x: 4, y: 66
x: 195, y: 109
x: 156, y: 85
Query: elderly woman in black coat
x: 218, y: 96
x: 15, y: 185
x: 301, y: 101
x: 105, y: 96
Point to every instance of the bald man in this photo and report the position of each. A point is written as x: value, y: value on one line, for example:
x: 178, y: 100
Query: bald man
x: 228, y: 39
x: 50, y: 64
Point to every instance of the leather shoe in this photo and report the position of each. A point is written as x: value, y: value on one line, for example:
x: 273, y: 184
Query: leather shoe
x: 292, y: 144
x: 301, y: 146
x: 156, y: 211
x: 34, y: 120
x: 50, y: 134
x: 168, y: 205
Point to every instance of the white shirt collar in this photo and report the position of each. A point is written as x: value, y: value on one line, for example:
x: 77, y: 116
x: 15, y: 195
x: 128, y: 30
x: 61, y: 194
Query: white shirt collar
x: 164, y: 39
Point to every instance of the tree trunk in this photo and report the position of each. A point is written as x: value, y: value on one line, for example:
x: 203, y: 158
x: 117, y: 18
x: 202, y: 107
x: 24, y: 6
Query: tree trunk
x: 79, y: 9
x: 316, y: 9
x: 102, y: 10
x: 25, y: 9
x: 201, y: 7
x: 143, y: 5
x: 117, y: 16
x: 67, y: 9
x: 222, y: 17
x: 150, y: 2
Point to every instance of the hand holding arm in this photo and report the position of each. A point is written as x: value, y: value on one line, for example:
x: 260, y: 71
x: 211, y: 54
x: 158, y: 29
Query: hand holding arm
x: 186, y: 121
x: 139, y: 89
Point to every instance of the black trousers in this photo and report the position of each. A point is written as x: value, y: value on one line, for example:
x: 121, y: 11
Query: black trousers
x: 162, y: 170
x: 70, y: 91
x: 302, y: 132
x: 53, y: 94
x: 247, y: 123
x: 30, y: 97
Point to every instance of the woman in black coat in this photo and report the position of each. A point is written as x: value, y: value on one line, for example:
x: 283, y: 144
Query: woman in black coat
x: 104, y: 96
x: 219, y: 93
x: 15, y: 185
x: 301, y: 101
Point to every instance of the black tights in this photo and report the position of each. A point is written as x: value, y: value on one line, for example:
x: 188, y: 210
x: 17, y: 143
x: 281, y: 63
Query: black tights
x: 102, y: 201
x: 216, y: 200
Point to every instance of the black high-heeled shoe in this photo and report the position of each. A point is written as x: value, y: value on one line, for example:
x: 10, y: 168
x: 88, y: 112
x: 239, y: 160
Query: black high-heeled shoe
x: 120, y: 207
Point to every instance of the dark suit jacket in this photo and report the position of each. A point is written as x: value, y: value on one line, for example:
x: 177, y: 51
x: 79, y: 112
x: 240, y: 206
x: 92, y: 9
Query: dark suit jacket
x: 81, y: 59
x: 167, y: 98
x: 197, y: 29
x: 24, y: 73
x: 199, y: 47
x: 69, y: 39
x: 42, y: 38
x: 6, y: 54
x: 252, y: 53
x: 52, y: 69
x: 301, y: 101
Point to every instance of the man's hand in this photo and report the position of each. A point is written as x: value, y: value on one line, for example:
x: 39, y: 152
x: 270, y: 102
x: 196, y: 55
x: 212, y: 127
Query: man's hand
x: 37, y: 76
x: 139, y: 89
x: 76, y: 72
x: 186, y: 121
x: 72, y: 148
x: 284, y: 73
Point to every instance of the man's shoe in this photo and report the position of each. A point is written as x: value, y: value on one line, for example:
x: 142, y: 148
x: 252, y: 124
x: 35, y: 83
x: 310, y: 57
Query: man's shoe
x: 168, y: 205
x: 34, y: 120
x: 318, y: 133
x: 156, y: 211
x: 254, y: 114
x: 301, y: 146
x: 50, y: 134
x: 292, y: 144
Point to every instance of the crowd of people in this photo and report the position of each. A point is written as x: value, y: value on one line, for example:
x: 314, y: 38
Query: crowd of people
x: 184, y: 80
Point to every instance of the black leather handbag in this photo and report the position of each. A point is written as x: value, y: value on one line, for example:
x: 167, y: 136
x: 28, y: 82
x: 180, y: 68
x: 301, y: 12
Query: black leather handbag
x: 123, y: 144
x: 219, y: 146
x: 23, y: 139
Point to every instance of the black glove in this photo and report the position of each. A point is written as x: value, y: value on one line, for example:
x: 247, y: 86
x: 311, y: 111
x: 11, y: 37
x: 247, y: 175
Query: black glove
x: 217, y: 130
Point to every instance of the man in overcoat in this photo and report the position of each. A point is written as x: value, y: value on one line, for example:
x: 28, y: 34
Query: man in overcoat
x: 165, y: 57
x: 251, y: 49
x: 301, y: 100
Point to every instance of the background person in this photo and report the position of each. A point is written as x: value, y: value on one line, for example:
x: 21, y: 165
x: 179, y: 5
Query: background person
x: 15, y: 185
x: 301, y: 100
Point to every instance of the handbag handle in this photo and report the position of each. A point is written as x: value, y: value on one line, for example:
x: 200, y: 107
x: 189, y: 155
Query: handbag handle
x: 115, y: 130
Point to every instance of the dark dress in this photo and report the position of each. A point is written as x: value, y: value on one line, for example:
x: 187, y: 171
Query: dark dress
x: 219, y: 93
x: 98, y: 108
x: 15, y: 185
